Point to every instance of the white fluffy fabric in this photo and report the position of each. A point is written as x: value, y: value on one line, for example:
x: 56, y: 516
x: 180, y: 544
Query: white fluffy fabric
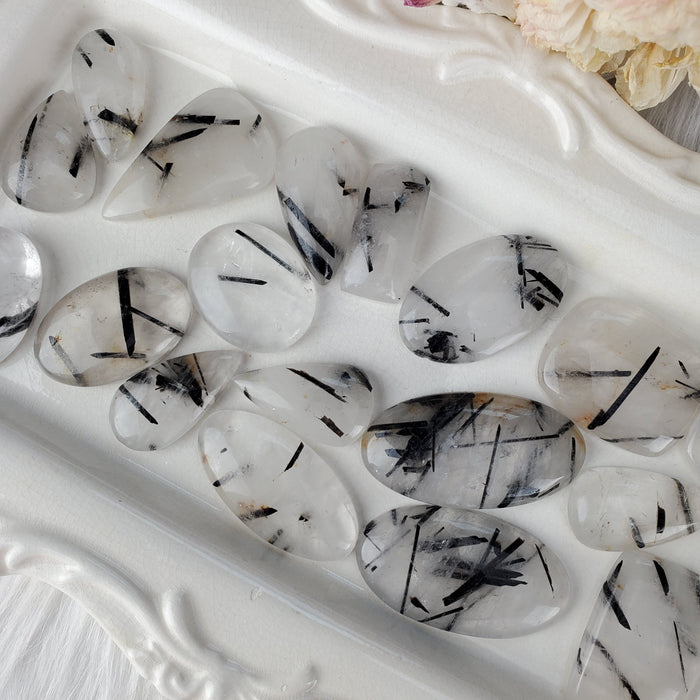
x: 52, y: 650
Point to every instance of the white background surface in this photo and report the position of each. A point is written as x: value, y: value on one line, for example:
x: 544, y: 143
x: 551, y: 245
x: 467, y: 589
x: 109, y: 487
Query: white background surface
x: 622, y: 204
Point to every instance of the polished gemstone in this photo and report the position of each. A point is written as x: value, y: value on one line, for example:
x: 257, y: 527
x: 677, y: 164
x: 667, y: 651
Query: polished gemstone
x: 642, y: 639
x: 320, y: 178
x: 113, y: 326
x: 694, y: 442
x: 473, y: 450
x: 215, y: 148
x: 109, y: 79
x: 251, y: 286
x: 462, y: 571
x: 626, y: 508
x: 20, y: 287
x: 482, y: 298
x: 278, y: 486
x: 327, y: 403
x: 621, y: 374
x: 160, y: 404
x: 380, y: 261
x: 49, y: 164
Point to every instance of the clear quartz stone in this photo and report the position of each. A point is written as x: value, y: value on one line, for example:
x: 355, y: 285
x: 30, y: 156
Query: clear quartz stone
x: 113, y: 326
x: 20, y: 288
x: 278, y: 486
x: 385, y: 232
x: 160, y: 404
x: 482, y: 298
x: 215, y: 148
x: 642, y: 638
x: 615, y: 508
x: 462, y: 571
x: 320, y: 177
x: 620, y: 373
x: 49, y: 164
x: 473, y: 450
x: 327, y: 403
x: 693, y: 443
x: 109, y: 79
x: 251, y: 286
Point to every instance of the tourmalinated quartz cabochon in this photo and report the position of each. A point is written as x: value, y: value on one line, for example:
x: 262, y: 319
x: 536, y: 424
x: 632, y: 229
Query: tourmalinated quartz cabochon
x: 320, y: 178
x: 251, y: 286
x: 160, y: 404
x: 621, y: 373
x: 324, y: 402
x: 20, y: 287
x: 48, y: 164
x: 642, y: 639
x: 473, y: 450
x: 215, y: 148
x: 462, y: 571
x: 623, y: 508
x: 109, y: 79
x: 113, y: 326
x: 278, y: 486
x: 385, y: 232
x: 482, y: 298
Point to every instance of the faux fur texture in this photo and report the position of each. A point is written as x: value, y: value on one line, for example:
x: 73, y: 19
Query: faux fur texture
x: 50, y: 649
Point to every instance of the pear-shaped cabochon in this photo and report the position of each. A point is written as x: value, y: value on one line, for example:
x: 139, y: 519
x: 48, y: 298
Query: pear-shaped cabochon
x: 109, y: 79
x: 215, y: 148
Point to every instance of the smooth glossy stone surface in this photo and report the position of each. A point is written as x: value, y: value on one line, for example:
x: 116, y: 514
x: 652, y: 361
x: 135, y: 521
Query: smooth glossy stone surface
x: 251, y: 286
x: 643, y: 636
x: 620, y: 373
x: 215, y: 148
x: 380, y: 261
x: 278, y: 486
x: 694, y: 442
x: 113, y: 326
x: 482, y: 298
x: 49, y: 164
x: 462, y: 571
x: 327, y: 403
x: 320, y: 178
x: 20, y: 288
x: 625, y: 508
x: 109, y: 79
x: 473, y: 450
x: 157, y: 406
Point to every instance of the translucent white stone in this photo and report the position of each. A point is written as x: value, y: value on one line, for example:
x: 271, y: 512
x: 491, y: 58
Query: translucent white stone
x: 215, y: 148
x: 20, y: 287
x: 109, y: 79
x: 251, y: 286
x: 623, y: 508
x: 694, y: 442
x: 160, y: 404
x: 320, y: 178
x: 620, y: 373
x: 643, y: 636
x: 385, y: 232
x: 462, y: 571
x: 482, y: 298
x: 49, y: 164
x: 326, y: 403
x: 473, y: 450
x: 278, y: 486
x: 113, y: 326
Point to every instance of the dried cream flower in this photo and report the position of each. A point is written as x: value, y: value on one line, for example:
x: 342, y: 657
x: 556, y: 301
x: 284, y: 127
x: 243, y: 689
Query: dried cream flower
x: 649, y: 46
